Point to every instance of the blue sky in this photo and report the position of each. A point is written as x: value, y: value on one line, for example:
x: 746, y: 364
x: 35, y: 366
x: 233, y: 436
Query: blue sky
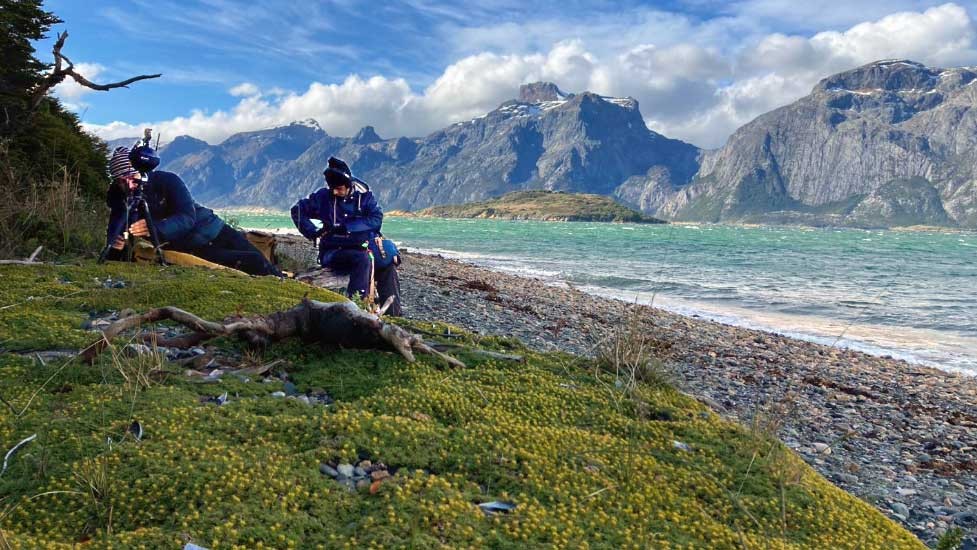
x: 699, y: 68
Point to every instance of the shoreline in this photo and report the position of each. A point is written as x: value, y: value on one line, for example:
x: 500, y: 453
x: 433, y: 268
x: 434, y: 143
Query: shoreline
x: 415, y: 214
x: 899, y: 435
x: 790, y: 327
x: 865, y: 338
x: 795, y: 327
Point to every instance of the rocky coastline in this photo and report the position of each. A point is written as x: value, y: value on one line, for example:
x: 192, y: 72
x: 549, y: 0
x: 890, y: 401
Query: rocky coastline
x: 902, y: 437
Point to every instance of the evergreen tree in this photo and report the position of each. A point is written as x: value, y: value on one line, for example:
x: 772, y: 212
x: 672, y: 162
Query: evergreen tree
x: 21, y: 23
x: 52, y: 172
x: 39, y: 144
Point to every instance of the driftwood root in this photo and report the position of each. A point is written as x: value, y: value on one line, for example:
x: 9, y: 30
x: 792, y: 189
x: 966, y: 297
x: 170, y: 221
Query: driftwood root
x: 339, y: 324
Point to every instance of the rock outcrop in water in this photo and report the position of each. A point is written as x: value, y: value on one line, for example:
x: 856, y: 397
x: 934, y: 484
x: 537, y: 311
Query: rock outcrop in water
x: 889, y: 143
x: 543, y: 206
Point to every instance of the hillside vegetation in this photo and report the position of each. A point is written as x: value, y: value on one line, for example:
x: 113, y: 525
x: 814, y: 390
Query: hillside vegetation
x: 52, y: 172
x: 544, y: 206
x: 589, y: 458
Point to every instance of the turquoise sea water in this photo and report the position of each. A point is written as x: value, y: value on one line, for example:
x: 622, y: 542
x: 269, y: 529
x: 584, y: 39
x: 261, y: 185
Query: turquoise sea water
x: 906, y: 294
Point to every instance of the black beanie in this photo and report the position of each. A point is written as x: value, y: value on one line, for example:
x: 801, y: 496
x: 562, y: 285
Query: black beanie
x: 337, y: 173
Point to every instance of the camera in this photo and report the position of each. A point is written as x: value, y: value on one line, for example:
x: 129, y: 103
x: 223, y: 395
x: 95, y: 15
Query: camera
x: 143, y: 157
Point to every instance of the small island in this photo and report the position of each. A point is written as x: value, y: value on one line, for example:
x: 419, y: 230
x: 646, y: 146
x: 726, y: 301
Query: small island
x: 541, y: 206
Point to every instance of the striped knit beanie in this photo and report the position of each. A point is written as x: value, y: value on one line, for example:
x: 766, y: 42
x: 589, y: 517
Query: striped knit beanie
x: 119, y: 165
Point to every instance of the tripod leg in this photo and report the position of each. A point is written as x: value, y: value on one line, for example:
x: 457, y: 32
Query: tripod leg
x: 119, y: 231
x: 154, y: 238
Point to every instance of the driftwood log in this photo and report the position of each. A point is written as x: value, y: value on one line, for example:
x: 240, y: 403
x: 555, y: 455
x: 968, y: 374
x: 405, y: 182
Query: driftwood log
x: 339, y: 324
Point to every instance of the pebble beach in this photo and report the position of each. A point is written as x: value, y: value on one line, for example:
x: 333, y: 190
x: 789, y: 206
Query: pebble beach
x: 900, y: 436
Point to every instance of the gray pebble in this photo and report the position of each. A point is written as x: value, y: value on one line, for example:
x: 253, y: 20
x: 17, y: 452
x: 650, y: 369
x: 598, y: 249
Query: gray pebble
x: 848, y: 479
x: 133, y: 350
x: 822, y: 448
x: 966, y: 519
x: 900, y: 509
x: 278, y: 394
x: 328, y: 470
x: 345, y: 470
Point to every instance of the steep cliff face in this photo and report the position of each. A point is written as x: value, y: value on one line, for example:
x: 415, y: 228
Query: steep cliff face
x: 855, y: 134
x: 215, y: 172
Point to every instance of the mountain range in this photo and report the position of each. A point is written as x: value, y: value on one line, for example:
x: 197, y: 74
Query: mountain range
x: 891, y: 143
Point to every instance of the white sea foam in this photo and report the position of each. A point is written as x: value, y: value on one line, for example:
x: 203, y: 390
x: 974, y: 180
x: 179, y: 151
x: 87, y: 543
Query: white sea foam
x: 275, y: 230
x: 924, y: 347
x: 920, y: 346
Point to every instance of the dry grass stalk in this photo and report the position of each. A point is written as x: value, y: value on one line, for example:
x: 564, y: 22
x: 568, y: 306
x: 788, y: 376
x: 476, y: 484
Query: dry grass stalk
x: 95, y: 481
x: 630, y: 354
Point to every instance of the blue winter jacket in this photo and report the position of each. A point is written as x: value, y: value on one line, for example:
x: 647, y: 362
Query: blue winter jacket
x: 349, y: 222
x: 180, y: 223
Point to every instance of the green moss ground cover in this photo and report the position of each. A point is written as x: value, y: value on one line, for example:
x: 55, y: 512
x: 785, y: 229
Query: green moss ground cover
x: 585, y: 465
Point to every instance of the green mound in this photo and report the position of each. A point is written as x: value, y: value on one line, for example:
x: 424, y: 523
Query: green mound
x: 585, y: 465
x: 544, y: 206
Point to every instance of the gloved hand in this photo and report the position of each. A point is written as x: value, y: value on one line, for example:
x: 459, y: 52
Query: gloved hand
x: 324, y: 232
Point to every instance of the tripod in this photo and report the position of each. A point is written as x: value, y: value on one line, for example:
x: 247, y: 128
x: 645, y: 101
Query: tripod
x: 136, y: 208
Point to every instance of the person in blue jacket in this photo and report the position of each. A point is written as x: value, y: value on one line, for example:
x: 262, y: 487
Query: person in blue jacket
x: 351, y: 219
x: 181, y: 224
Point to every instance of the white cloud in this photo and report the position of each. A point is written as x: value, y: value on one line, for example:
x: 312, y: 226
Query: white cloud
x: 690, y: 82
x: 779, y: 69
x: 244, y: 89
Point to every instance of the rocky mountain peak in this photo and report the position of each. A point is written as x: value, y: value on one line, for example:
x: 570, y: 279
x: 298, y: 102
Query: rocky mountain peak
x: 184, y: 145
x: 308, y: 123
x: 627, y: 102
x: 366, y: 135
x: 887, y: 143
x: 536, y: 92
x: 891, y: 75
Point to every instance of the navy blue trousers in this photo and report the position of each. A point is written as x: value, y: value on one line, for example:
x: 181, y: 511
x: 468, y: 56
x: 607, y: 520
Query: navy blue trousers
x: 357, y: 264
x: 354, y: 262
x: 229, y: 248
x: 232, y: 249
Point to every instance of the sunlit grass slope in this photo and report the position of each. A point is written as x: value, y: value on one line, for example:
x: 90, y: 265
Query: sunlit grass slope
x: 586, y: 465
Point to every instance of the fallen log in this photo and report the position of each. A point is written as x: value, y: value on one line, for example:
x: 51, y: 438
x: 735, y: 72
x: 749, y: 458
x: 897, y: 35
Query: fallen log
x: 338, y: 324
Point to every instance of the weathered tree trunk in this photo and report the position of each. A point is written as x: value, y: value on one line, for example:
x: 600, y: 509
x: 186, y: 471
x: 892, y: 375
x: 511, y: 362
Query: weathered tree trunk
x: 339, y: 324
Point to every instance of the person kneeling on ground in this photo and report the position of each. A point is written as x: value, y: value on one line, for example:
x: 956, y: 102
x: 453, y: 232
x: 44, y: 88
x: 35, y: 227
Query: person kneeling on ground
x: 350, y: 238
x: 181, y: 224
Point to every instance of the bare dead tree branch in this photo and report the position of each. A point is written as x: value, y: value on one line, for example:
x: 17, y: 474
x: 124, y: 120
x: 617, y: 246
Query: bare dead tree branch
x: 63, y: 68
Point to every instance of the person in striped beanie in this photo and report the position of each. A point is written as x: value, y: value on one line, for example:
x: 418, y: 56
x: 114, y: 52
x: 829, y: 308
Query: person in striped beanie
x: 181, y: 224
x: 119, y: 164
